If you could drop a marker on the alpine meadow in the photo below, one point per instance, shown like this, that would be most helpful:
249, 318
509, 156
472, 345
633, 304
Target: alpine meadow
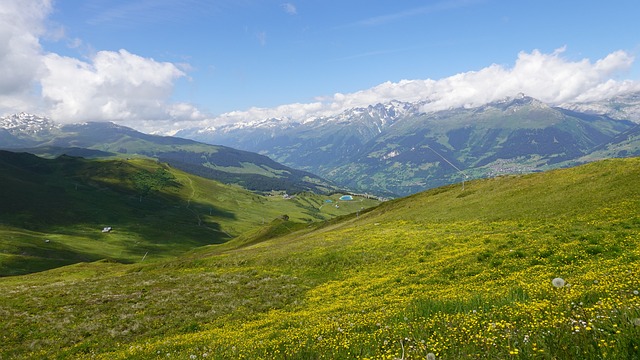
537, 266
319, 180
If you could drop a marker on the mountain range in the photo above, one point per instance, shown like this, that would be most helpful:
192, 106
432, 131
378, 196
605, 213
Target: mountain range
392, 149
119, 254
41, 136
398, 148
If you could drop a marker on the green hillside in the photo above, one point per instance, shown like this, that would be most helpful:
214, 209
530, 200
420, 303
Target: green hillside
106, 140
541, 266
53, 212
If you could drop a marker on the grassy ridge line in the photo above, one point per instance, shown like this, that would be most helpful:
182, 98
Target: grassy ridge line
454, 273
53, 211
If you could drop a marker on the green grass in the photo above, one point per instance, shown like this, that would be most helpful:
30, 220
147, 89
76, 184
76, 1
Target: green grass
460, 274
53, 211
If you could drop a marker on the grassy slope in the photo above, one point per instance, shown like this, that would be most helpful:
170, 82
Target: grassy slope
456, 273
68, 201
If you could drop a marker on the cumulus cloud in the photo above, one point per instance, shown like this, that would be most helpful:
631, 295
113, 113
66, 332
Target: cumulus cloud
134, 90
548, 77
110, 86
21, 25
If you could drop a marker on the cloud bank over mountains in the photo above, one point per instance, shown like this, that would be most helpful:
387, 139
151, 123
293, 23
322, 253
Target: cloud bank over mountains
137, 91
547, 77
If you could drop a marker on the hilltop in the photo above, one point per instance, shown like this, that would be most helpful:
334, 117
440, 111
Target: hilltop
523, 266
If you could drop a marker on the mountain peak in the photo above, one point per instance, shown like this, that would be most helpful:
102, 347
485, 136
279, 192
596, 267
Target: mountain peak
26, 123
519, 100
621, 107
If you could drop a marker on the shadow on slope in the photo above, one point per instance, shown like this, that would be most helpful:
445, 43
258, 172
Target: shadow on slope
146, 208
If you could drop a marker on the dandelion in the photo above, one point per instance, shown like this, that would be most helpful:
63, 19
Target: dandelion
635, 292
431, 356
558, 282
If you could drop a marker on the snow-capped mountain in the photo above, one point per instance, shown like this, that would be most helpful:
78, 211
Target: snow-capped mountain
41, 136
399, 148
317, 144
25, 130
622, 107
364, 121
24, 123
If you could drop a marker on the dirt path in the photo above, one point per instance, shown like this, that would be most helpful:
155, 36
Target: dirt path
193, 191
193, 195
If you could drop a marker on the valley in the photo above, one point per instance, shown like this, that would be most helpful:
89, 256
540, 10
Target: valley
319, 180
399, 148
516, 237
450, 272
54, 210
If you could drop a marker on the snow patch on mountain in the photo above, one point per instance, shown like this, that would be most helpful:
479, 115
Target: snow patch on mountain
621, 107
27, 124
383, 114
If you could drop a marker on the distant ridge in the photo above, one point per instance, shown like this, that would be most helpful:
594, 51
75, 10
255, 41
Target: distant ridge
397, 148
39, 135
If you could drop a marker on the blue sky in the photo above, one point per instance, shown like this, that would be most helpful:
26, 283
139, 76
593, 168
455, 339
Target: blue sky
159, 62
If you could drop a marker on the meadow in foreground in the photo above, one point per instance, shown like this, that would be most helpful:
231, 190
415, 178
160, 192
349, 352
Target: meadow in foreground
542, 266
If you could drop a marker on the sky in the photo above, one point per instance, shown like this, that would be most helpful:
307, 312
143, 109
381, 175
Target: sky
160, 65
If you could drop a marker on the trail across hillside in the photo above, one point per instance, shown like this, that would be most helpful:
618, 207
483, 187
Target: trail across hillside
194, 212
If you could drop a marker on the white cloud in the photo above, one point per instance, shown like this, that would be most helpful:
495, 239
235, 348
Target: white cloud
289, 8
21, 25
547, 77
112, 86
134, 90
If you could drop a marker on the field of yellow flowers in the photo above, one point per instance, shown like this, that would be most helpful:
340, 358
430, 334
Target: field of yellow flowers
542, 266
